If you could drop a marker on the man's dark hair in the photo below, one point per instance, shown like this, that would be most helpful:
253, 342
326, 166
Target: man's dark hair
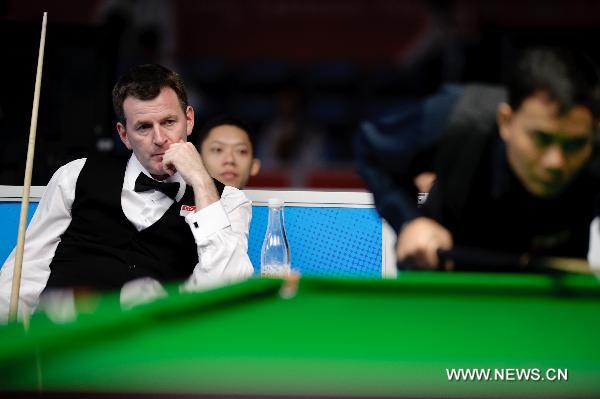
224, 120
144, 82
567, 77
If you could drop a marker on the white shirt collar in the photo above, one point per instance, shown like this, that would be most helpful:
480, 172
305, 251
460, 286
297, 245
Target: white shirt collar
134, 168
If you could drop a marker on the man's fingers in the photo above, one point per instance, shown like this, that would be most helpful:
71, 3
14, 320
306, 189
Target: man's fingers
167, 164
400, 253
420, 241
169, 169
430, 255
416, 257
449, 265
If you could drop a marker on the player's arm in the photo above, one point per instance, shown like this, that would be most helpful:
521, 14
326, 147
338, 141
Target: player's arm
51, 219
220, 225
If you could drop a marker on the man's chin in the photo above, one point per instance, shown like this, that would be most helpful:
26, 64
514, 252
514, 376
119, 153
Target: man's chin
157, 172
547, 190
228, 180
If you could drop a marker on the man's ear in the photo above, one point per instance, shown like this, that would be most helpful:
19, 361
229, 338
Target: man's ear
503, 117
123, 135
189, 119
255, 167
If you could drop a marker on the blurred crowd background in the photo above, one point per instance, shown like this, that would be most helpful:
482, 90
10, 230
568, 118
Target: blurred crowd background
304, 73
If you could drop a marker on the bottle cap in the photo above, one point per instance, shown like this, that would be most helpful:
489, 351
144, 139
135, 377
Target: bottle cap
275, 202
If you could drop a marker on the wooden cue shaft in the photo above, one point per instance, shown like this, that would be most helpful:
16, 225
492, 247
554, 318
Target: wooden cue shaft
571, 265
492, 259
16, 282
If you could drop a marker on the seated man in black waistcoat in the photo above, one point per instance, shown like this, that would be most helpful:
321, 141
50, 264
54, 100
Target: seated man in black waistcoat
513, 176
157, 217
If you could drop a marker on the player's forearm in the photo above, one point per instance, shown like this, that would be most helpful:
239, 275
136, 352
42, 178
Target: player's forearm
222, 260
205, 192
221, 234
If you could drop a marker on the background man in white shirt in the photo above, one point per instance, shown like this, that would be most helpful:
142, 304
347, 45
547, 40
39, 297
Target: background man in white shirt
105, 224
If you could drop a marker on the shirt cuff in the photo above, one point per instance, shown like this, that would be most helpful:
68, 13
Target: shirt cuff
207, 221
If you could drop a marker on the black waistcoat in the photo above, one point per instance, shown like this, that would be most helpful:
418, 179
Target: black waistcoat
101, 248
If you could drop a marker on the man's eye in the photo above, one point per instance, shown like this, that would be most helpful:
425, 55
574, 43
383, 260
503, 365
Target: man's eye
170, 122
543, 139
143, 127
574, 145
216, 150
243, 152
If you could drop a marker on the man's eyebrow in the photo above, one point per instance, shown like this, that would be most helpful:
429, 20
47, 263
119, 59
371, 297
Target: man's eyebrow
559, 138
237, 144
140, 123
144, 122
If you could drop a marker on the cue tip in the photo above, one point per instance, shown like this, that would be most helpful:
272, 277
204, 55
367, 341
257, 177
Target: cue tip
289, 288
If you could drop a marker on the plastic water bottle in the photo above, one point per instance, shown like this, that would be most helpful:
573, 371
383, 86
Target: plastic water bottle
275, 258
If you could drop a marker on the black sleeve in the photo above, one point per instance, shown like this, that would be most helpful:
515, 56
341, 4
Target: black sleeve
392, 150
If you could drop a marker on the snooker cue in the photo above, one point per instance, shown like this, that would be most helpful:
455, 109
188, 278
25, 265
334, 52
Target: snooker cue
497, 260
16, 282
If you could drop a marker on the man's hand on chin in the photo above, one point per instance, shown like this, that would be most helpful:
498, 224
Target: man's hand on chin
183, 157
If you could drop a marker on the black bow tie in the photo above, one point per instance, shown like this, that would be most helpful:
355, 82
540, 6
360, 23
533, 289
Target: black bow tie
144, 183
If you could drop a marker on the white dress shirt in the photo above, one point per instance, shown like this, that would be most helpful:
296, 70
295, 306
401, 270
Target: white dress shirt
593, 257
220, 231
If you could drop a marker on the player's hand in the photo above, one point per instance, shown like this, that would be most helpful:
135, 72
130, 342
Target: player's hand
183, 157
419, 241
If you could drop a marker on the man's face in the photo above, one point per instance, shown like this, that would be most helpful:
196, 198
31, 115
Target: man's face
227, 155
545, 149
153, 125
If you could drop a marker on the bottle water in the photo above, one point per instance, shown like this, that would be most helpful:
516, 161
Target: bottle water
275, 258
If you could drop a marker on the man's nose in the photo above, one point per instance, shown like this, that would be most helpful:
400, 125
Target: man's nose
159, 137
229, 157
553, 158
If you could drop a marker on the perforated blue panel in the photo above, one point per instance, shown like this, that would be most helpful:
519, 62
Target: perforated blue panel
325, 241
9, 215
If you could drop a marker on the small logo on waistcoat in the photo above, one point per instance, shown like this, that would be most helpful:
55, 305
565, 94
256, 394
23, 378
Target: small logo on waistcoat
186, 210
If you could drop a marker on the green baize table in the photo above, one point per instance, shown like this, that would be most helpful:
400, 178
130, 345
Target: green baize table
334, 338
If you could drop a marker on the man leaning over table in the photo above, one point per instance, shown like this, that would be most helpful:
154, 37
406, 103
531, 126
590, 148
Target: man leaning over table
516, 171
